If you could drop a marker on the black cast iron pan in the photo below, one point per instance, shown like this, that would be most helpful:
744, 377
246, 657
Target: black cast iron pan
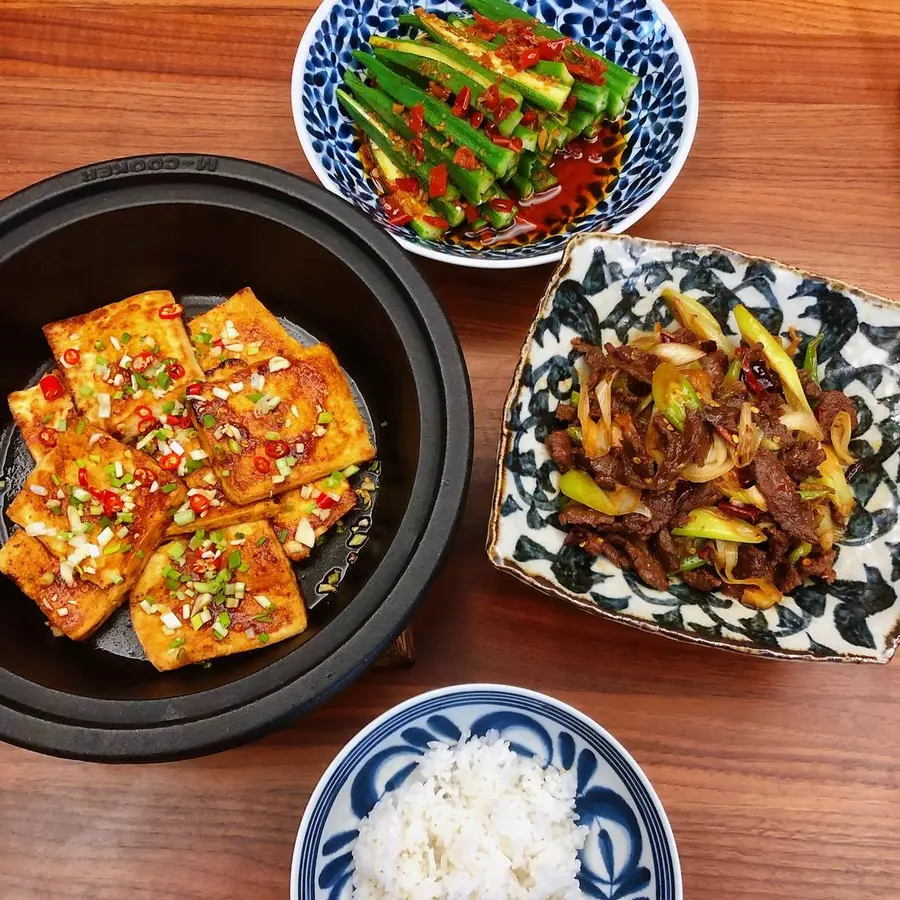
203, 227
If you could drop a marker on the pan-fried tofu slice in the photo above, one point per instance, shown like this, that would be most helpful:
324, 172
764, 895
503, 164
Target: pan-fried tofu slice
279, 424
97, 505
77, 609
171, 439
240, 328
306, 513
121, 357
218, 593
42, 412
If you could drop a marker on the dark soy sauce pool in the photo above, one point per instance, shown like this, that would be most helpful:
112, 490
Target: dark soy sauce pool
319, 576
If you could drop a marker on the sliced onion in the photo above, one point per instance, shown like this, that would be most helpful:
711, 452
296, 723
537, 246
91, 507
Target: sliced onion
751, 496
760, 594
832, 473
802, 420
718, 462
678, 354
597, 437
626, 500
651, 442
841, 430
701, 383
749, 437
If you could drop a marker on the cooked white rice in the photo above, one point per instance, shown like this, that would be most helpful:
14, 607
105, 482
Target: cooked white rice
475, 821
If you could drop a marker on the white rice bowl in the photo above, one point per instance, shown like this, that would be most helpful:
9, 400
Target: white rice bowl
474, 821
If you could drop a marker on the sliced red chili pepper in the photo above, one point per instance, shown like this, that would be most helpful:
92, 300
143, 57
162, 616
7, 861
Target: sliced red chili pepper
277, 449
96, 494
476, 118
491, 97
261, 464
472, 214
417, 149
178, 421
553, 49
171, 311
724, 433
399, 218
438, 90
502, 204
170, 462
51, 388
82, 477
199, 503
529, 57
47, 436
324, 501
407, 183
437, 181
416, 119
112, 503
751, 380
465, 158
145, 412
569, 103
146, 424
176, 371
665, 337
437, 221
486, 25
194, 389
747, 513
71, 356
463, 99
529, 117
142, 361
513, 143
143, 475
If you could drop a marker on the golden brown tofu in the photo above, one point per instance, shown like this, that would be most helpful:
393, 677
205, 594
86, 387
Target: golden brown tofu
76, 609
279, 424
219, 593
240, 328
42, 412
306, 513
124, 356
97, 505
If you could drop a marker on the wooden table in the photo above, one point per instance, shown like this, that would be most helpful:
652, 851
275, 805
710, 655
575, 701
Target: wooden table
780, 779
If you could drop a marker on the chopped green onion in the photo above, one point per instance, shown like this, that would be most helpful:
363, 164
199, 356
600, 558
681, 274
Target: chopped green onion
811, 358
282, 535
234, 446
79, 428
357, 540
204, 337
234, 559
263, 638
168, 406
55, 478
272, 436
184, 517
168, 488
244, 567
324, 418
350, 470
163, 380
209, 420
178, 642
86, 390
334, 480
197, 539
224, 619
126, 337
110, 548
176, 550
255, 397
99, 345
260, 542
574, 398
61, 425
575, 433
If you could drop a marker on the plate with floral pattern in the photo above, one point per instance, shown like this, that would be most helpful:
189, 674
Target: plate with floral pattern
608, 287
641, 35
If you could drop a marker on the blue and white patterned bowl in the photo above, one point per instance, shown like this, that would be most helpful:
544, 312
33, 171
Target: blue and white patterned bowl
630, 852
608, 287
641, 35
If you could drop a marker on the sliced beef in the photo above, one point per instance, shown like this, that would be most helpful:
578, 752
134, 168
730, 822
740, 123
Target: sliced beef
598, 546
787, 578
681, 336
559, 445
606, 470
633, 445
703, 579
637, 363
665, 550
780, 491
810, 386
819, 566
726, 415
662, 505
753, 563
698, 495
830, 404
682, 448
645, 563
778, 545
567, 413
715, 365
733, 590
578, 514
801, 459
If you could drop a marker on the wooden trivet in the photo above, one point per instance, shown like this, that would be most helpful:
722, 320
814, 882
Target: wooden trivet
402, 651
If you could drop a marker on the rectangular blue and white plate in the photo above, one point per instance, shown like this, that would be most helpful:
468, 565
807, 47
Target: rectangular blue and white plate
607, 287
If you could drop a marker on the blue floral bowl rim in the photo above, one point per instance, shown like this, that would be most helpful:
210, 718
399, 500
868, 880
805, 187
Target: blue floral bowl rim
462, 690
555, 590
692, 102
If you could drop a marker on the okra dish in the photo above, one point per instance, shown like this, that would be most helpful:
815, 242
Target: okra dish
182, 467
683, 454
489, 129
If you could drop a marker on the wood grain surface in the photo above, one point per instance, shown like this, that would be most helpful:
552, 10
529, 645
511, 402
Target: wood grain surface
780, 779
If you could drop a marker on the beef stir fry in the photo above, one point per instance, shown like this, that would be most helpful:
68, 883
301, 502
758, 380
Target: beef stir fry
683, 455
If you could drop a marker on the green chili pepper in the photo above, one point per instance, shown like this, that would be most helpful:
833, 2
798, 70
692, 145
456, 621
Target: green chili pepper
799, 552
575, 433
715, 526
579, 486
811, 359
673, 394
689, 563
